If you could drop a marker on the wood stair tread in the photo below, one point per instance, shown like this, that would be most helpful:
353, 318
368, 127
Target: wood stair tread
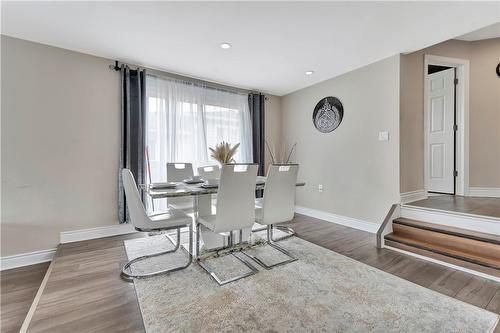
471, 234
444, 258
437, 248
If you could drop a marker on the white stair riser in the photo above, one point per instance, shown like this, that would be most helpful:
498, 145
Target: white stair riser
470, 222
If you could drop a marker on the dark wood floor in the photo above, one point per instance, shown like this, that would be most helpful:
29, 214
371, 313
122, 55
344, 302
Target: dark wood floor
85, 289
18, 289
469, 205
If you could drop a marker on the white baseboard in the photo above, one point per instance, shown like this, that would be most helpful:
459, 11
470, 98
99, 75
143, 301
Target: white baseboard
490, 225
26, 259
444, 263
339, 219
489, 192
413, 196
92, 233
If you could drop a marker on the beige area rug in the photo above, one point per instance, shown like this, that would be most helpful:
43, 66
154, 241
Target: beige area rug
321, 292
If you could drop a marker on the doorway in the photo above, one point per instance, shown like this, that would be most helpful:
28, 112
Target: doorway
446, 125
441, 129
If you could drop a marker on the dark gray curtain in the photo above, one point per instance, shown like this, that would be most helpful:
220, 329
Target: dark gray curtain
133, 132
256, 102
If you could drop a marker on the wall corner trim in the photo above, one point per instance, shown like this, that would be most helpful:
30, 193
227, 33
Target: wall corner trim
26, 259
93, 233
339, 219
413, 196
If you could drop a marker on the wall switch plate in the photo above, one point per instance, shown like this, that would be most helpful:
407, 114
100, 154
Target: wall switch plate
320, 188
383, 136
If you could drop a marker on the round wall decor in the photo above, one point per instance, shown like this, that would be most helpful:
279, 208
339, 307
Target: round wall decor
328, 114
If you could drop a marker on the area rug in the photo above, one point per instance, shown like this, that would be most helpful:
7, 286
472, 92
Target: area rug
321, 292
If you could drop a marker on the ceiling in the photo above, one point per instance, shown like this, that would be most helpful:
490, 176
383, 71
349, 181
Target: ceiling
273, 43
491, 31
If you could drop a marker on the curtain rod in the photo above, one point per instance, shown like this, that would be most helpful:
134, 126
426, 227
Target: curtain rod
188, 80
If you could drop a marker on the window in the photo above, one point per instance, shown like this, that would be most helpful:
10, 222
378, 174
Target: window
184, 120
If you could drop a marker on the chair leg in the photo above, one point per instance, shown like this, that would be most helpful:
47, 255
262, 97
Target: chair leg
285, 229
197, 239
214, 276
290, 232
271, 243
129, 276
217, 279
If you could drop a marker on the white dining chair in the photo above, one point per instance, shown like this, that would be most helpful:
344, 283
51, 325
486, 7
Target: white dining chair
177, 172
277, 205
235, 212
169, 220
209, 172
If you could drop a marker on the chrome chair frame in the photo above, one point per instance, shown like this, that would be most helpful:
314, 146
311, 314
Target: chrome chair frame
272, 243
129, 276
233, 250
283, 228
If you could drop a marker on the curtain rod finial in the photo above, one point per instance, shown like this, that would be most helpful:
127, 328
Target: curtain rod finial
115, 67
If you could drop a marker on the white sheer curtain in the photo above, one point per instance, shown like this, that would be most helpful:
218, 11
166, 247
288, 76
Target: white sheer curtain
185, 119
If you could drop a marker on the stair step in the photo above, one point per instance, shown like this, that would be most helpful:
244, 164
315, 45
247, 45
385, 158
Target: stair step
465, 233
470, 255
452, 242
447, 259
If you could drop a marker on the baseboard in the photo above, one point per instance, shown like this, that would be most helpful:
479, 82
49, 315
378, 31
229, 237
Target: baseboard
413, 196
444, 263
339, 219
93, 233
26, 259
489, 192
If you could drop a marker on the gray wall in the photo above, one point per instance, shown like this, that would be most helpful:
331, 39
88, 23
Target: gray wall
360, 174
59, 140
60, 121
484, 112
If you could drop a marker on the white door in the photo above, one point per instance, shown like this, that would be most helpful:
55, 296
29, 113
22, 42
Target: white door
440, 131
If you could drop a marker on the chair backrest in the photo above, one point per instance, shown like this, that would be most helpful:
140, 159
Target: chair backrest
236, 197
177, 172
209, 172
138, 215
278, 204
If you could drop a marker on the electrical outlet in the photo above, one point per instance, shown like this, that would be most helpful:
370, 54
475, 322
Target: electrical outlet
320, 188
383, 136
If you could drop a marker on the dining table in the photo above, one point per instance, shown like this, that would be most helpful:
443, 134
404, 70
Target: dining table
202, 204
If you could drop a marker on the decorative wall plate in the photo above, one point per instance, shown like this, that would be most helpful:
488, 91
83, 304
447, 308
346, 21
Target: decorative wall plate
328, 114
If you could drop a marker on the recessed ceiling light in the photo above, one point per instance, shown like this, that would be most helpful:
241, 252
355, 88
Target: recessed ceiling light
309, 72
225, 45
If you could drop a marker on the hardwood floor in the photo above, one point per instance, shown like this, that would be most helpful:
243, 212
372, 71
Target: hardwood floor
85, 290
18, 289
469, 205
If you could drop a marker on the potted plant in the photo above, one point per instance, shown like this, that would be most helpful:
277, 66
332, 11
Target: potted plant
224, 152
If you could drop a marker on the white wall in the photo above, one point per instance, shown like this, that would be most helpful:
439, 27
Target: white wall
360, 174
60, 121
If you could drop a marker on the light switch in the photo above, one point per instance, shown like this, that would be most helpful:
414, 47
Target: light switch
383, 136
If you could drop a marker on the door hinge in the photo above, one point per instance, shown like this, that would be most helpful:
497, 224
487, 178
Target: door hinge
455, 173
455, 127
455, 81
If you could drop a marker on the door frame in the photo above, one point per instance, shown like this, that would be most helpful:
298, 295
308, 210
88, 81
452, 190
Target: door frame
462, 120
